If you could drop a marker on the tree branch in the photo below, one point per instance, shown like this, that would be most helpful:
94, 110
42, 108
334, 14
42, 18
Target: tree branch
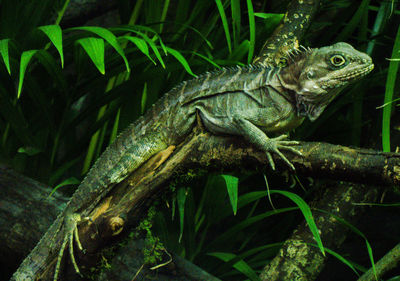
132, 197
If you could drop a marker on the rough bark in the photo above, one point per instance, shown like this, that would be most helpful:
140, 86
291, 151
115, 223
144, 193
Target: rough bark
26, 212
132, 197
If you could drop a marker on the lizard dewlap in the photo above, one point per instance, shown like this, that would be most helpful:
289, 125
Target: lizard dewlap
254, 102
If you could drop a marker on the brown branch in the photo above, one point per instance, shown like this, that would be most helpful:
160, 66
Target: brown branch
27, 212
210, 152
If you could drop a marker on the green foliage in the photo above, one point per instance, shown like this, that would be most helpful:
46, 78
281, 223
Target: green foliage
153, 248
390, 84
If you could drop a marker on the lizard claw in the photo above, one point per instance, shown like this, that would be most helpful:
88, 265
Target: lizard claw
71, 232
280, 142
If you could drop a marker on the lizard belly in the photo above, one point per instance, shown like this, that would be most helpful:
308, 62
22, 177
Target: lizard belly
292, 121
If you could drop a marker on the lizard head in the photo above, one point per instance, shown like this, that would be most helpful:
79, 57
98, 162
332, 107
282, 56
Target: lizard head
318, 75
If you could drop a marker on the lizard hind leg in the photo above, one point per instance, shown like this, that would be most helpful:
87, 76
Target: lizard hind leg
71, 232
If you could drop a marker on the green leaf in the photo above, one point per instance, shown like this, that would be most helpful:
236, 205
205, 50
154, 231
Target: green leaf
68, 181
243, 255
143, 99
12, 113
390, 84
94, 47
140, 44
234, 230
342, 259
240, 51
232, 188
149, 41
181, 59
4, 53
210, 61
52, 68
275, 17
181, 199
61, 170
155, 50
25, 59
353, 23
252, 30
109, 37
236, 19
29, 150
305, 209
224, 23
241, 265
55, 35
358, 232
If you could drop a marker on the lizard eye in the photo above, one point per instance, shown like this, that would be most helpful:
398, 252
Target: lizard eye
337, 60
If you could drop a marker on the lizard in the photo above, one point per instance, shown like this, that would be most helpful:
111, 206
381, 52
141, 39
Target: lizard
254, 102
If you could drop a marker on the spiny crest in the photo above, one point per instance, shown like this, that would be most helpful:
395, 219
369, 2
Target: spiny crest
296, 54
228, 70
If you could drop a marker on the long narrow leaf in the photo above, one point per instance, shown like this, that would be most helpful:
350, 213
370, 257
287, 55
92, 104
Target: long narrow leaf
241, 265
149, 41
4, 54
68, 181
353, 23
234, 230
390, 83
107, 36
181, 59
358, 232
232, 188
11, 112
224, 24
52, 68
181, 199
25, 59
140, 44
94, 47
55, 35
210, 61
305, 209
236, 19
252, 30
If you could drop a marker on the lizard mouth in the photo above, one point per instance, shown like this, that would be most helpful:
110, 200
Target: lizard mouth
312, 107
362, 71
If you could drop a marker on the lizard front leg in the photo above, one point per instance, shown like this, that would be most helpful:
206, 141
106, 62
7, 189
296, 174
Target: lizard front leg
256, 136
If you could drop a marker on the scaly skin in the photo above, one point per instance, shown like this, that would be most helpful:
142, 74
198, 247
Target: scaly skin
250, 101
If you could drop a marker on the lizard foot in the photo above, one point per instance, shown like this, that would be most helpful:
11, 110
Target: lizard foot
71, 232
275, 144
